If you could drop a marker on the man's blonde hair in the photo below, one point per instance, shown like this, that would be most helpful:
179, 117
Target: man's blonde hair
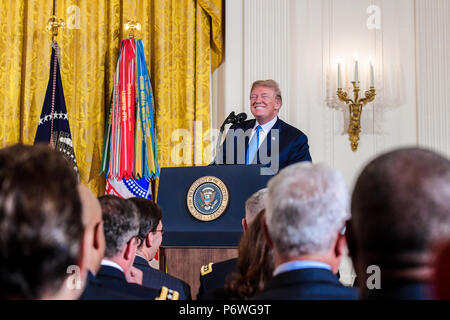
269, 84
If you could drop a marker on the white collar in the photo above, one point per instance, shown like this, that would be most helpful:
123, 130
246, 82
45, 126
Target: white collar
266, 127
300, 264
109, 263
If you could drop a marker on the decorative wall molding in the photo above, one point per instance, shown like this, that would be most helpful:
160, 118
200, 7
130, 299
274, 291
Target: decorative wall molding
267, 45
433, 73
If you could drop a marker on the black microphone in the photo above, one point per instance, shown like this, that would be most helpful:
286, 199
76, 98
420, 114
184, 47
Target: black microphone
241, 117
230, 119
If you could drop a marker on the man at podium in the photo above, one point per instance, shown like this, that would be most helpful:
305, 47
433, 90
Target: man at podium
265, 140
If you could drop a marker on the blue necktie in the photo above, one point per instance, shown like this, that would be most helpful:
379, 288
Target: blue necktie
253, 146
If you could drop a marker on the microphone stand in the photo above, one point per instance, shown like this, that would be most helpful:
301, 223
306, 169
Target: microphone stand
233, 119
230, 119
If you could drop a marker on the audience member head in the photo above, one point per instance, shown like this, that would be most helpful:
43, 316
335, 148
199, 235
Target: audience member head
306, 209
255, 262
121, 228
400, 210
150, 227
93, 244
253, 206
40, 224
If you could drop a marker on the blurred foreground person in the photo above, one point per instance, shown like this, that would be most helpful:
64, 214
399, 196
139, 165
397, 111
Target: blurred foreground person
41, 226
400, 212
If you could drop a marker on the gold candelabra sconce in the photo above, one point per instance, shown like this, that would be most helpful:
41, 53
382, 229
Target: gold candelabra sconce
356, 104
53, 26
133, 27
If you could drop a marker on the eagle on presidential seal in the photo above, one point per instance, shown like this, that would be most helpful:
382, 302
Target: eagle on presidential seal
208, 198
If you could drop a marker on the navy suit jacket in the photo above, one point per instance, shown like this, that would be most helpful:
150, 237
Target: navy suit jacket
153, 278
306, 284
400, 290
95, 290
113, 279
221, 271
292, 145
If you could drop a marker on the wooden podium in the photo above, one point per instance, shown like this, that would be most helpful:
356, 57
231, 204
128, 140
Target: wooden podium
188, 243
185, 262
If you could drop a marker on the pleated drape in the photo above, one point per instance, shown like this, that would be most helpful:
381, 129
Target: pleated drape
183, 45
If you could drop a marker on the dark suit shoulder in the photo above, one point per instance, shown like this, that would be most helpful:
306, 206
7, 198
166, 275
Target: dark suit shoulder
219, 268
154, 278
289, 129
306, 284
114, 279
214, 275
94, 290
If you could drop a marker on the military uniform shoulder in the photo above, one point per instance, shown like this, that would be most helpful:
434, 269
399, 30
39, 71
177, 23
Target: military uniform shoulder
168, 294
206, 269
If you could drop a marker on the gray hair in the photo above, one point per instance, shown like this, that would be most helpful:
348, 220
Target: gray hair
121, 223
255, 204
307, 206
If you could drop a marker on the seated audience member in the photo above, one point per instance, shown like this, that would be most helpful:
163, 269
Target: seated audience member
94, 247
121, 229
214, 275
254, 266
441, 279
306, 209
150, 234
41, 225
400, 211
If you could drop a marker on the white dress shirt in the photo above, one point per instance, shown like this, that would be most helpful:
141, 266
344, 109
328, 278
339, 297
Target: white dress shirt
110, 263
300, 264
265, 128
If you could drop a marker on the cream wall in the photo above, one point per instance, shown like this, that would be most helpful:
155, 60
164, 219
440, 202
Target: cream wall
298, 43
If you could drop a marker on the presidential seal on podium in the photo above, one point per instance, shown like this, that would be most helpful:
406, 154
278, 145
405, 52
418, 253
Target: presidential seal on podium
207, 198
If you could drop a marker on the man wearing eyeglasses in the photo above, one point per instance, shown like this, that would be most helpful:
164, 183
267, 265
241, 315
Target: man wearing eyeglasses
265, 140
150, 235
121, 228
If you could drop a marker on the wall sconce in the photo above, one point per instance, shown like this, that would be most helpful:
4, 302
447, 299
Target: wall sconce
356, 104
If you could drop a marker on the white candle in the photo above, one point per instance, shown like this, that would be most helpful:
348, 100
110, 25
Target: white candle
372, 76
339, 76
356, 72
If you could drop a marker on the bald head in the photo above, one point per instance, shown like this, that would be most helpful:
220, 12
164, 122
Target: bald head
94, 238
92, 211
401, 206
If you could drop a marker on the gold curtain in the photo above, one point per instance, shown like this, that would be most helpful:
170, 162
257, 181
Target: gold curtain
183, 45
